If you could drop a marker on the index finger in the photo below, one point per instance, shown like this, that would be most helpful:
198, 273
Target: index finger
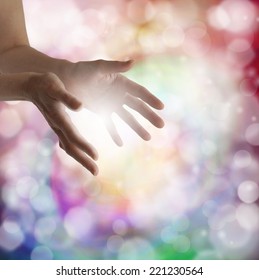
65, 124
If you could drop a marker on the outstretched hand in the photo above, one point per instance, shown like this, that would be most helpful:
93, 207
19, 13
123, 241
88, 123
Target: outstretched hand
103, 90
48, 93
99, 87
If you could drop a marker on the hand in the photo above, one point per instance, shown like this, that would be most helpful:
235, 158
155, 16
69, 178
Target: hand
103, 90
48, 93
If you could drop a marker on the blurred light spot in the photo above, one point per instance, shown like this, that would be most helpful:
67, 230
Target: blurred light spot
235, 16
139, 11
44, 228
218, 18
27, 220
92, 188
242, 159
248, 216
248, 191
46, 146
114, 243
120, 227
11, 226
239, 45
252, 134
173, 36
94, 22
209, 208
208, 255
220, 111
10, 123
168, 234
78, 222
188, 148
150, 41
11, 236
181, 223
247, 87
241, 59
251, 72
241, 15
10, 197
199, 238
59, 239
43, 201
197, 31
232, 235
194, 47
27, 187
208, 148
136, 248
41, 253
222, 216
181, 244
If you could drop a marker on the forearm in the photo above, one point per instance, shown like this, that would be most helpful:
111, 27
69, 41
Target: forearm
26, 59
13, 31
16, 55
13, 86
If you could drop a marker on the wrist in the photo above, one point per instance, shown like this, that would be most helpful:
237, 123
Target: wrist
14, 87
28, 81
64, 69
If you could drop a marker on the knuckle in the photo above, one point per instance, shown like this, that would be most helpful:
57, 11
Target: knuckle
48, 82
48, 79
49, 76
40, 85
110, 78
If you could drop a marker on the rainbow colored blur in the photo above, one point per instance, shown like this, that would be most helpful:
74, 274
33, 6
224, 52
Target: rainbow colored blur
189, 193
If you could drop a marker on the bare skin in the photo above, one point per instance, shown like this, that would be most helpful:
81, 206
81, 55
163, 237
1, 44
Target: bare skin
52, 84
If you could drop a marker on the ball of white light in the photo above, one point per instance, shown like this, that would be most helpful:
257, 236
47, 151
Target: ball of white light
248, 191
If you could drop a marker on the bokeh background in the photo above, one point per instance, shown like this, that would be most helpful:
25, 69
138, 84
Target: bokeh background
189, 193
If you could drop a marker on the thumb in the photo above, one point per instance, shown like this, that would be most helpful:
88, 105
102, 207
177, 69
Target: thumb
115, 66
69, 100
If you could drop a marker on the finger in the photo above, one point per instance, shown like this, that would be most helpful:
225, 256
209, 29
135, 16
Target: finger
141, 107
113, 132
132, 122
142, 93
72, 135
69, 100
76, 153
81, 157
115, 66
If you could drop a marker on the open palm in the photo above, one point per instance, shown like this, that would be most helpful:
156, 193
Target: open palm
103, 90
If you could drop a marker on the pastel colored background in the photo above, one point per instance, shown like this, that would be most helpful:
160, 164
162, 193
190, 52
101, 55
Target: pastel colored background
189, 193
